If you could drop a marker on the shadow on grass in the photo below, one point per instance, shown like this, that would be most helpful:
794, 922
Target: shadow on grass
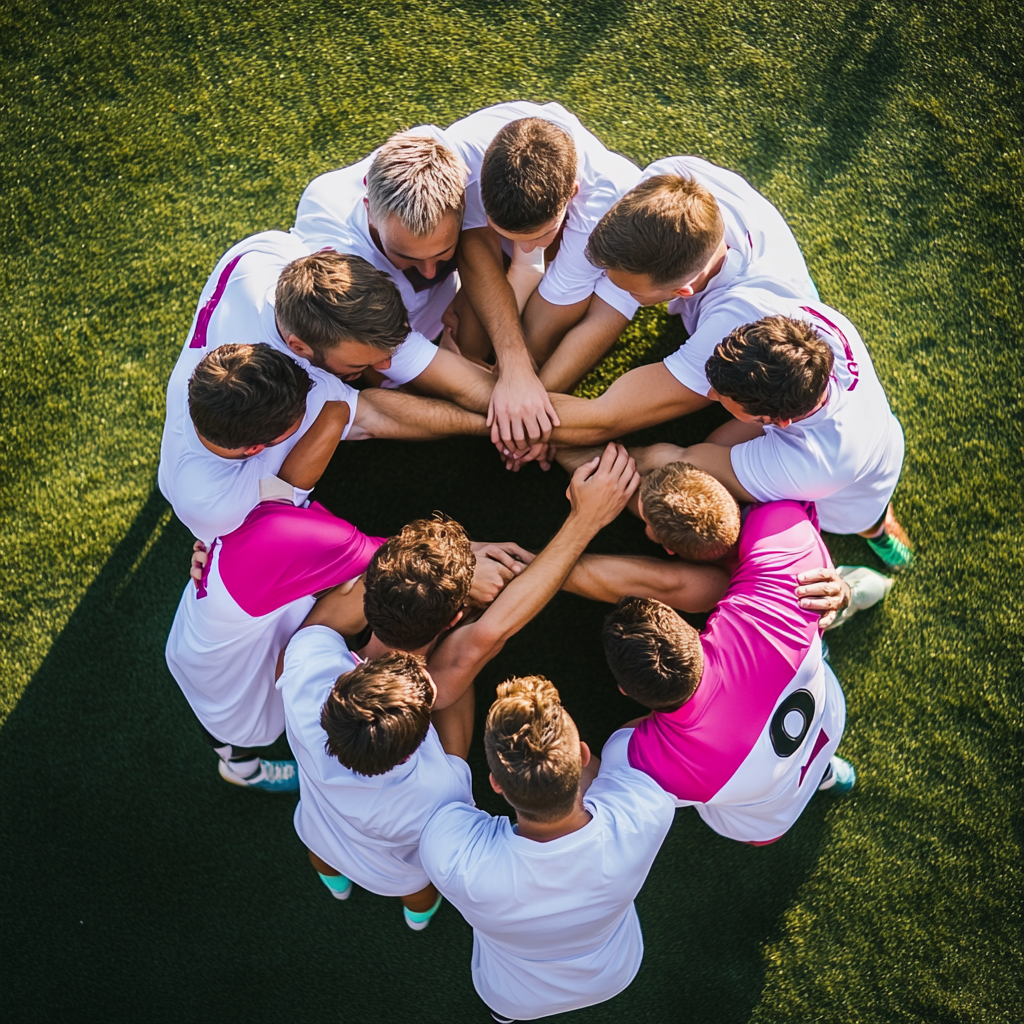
138, 886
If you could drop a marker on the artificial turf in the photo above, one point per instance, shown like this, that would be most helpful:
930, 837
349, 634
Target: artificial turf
141, 140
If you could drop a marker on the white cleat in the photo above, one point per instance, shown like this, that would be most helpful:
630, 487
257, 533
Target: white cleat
867, 588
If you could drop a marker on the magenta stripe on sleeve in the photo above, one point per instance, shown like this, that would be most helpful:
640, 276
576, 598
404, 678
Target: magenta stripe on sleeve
203, 320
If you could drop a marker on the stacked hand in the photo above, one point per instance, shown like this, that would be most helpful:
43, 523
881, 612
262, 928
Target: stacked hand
520, 413
601, 488
496, 565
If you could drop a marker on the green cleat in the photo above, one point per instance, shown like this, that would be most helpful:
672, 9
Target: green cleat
892, 545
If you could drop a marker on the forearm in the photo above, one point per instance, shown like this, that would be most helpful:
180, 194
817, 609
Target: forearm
455, 378
306, 462
682, 585
582, 347
392, 414
491, 296
717, 460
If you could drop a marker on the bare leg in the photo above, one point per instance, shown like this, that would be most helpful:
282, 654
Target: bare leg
734, 432
471, 337
321, 866
422, 901
454, 725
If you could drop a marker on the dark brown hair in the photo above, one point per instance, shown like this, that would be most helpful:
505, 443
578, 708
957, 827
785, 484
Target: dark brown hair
417, 582
775, 367
533, 748
244, 395
527, 175
668, 228
654, 655
378, 714
689, 511
327, 298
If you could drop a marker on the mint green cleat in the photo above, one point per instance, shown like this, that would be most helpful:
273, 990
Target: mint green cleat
892, 545
839, 776
417, 920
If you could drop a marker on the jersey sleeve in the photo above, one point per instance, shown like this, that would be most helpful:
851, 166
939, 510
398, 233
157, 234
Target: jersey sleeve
410, 359
571, 277
313, 651
615, 753
775, 467
213, 500
447, 842
686, 364
616, 297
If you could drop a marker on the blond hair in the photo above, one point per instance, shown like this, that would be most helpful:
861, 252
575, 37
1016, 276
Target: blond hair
533, 749
690, 512
417, 179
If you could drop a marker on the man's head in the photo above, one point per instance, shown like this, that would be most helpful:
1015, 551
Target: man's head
775, 370
418, 582
659, 238
415, 198
689, 512
340, 313
245, 398
533, 749
655, 656
378, 714
527, 179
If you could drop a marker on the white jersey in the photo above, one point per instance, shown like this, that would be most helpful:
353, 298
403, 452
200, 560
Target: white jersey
603, 176
554, 925
212, 495
332, 214
754, 230
366, 827
847, 456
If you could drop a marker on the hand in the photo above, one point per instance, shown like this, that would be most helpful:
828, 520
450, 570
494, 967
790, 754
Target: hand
601, 488
539, 452
823, 590
199, 560
496, 565
520, 412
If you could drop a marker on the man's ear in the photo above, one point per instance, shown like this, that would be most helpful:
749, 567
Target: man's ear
494, 785
299, 347
685, 292
458, 615
252, 450
623, 692
584, 754
575, 191
781, 424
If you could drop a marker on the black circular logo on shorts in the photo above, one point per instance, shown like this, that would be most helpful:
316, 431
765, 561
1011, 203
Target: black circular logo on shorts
791, 722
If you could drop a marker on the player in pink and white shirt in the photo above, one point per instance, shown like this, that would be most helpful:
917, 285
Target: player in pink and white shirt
747, 715
231, 625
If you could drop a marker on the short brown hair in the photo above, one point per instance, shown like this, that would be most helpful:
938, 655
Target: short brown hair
668, 228
417, 582
775, 367
527, 175
689, 511
244, 395
328, 297
378, 714
654, 655
417, 179
533, 748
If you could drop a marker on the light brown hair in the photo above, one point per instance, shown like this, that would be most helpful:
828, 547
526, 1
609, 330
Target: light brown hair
378, 714
668, 228
527, 175
533, 749
417, 582
775, 367
417, 179
655, 656
328, 297
690, 512
240, 396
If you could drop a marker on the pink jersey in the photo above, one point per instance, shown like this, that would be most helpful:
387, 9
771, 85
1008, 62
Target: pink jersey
751, 745
257, 589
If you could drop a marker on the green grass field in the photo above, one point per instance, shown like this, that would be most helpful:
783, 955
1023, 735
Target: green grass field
141, 140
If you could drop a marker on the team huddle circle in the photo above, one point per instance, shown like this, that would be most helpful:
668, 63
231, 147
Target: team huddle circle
462, 281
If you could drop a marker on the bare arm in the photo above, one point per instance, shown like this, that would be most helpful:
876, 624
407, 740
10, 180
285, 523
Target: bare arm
519, 406
683, 585
598, 494
717, 461
392, 414
582, 347
306, 462
340, 609
545, 324
452, 376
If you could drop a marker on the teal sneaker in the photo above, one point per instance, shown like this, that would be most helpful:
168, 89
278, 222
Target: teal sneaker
340, 887
417, 920
271, 777
839, 776
892, 545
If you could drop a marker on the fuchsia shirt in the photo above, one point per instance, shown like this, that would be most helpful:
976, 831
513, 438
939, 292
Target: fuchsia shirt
749, 748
